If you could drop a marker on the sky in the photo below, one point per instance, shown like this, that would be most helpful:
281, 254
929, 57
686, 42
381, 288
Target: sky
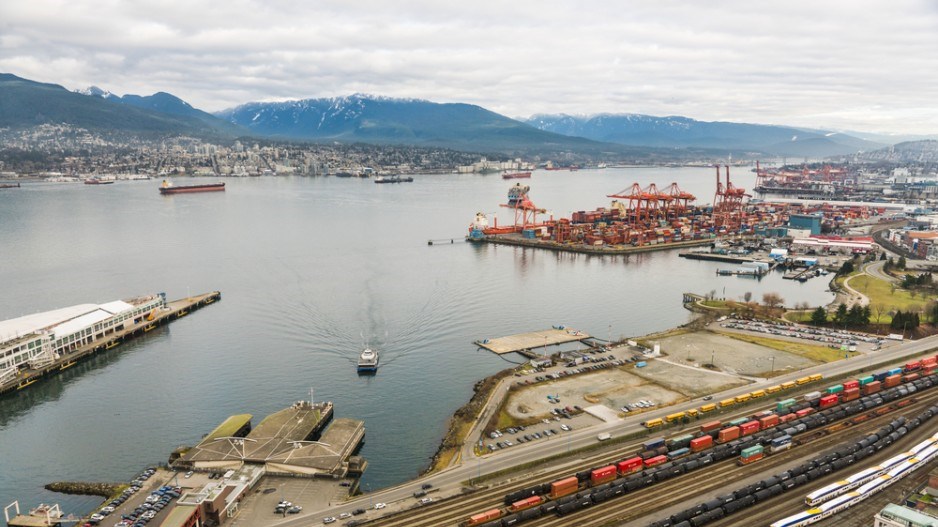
845, 65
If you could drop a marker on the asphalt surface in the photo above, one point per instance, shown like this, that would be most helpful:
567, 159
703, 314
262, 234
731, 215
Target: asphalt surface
450, 479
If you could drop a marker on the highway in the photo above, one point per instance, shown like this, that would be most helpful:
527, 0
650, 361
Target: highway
449, 480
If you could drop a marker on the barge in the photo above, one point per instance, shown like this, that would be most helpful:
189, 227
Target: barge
168, 188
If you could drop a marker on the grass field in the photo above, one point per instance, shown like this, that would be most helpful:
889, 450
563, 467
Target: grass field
881, 293
809, 351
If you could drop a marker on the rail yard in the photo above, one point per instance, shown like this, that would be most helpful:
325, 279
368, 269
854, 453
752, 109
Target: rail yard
609, 487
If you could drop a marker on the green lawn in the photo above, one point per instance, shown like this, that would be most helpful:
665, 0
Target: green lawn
882, 293
809, 351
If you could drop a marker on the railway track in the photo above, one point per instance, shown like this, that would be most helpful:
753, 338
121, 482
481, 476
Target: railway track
646, 502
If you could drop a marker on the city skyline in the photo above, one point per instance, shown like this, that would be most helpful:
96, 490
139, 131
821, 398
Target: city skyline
845, 66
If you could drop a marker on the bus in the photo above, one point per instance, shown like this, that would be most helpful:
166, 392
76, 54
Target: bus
654, 423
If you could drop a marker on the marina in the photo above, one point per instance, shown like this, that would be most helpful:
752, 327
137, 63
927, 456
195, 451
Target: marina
528, 343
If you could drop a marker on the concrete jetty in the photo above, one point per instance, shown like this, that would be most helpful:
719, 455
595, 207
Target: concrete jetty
527, 343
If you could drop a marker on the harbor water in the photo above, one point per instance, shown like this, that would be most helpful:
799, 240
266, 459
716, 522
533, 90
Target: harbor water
310, 270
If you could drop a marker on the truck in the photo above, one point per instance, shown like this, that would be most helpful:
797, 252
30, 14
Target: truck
603, 436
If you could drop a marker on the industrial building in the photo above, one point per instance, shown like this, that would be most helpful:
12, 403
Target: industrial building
893, 515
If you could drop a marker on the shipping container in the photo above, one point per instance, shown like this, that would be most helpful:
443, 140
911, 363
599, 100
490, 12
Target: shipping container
892, 380
712, 425
865, 380
895, 371
768, 421
780, 443
727, 402
782, 405
738, 421
751, 459
652, 444
746, 452
728, 434
482, 517
851, 384
701, 443
829, 400
679, 453
748, 428
850, 394
679, 441
787, 417
629, 465
603, 475
912, 366
708, 407
910, 377
657, 460
812, 396
526, 503
803, 412
871, 388
837, 388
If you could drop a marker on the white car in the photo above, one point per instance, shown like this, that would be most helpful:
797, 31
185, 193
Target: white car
565, 428
379, 505
424, 501
328, 519
345, 515
188, 475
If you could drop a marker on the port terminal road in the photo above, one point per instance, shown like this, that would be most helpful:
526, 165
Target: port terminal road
450, 480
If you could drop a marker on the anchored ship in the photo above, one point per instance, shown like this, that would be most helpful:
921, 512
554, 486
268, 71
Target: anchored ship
516, 175
168, 188
368, 361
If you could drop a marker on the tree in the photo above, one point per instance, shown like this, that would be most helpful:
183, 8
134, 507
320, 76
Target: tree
880, 309
846, 268
819, 316
772, 300
840, 316
933, 310
901, 263
882, 255
854, 315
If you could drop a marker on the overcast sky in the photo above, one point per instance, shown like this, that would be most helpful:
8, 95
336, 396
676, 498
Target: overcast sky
859, 65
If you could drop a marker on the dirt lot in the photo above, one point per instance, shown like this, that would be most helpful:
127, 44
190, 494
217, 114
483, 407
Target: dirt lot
729, 355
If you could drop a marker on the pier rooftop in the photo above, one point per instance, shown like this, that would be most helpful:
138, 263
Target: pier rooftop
525, 342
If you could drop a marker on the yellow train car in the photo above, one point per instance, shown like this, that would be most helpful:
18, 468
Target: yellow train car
674, 417
773, 389
743, 398
727, 402
708, 408
653, 423
758, 393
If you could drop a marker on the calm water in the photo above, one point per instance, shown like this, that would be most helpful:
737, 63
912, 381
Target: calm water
308, 269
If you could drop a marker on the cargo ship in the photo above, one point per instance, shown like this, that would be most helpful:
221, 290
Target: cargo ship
368, 361
393, 179
168, 188
97, 181
516, 175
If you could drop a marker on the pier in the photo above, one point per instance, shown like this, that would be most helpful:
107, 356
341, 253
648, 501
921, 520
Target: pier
599, 250
526, 343
173, 310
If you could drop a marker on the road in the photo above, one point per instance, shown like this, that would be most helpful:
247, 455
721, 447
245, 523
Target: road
450, 479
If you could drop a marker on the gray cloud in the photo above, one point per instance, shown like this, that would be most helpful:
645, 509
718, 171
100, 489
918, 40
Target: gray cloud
860, 65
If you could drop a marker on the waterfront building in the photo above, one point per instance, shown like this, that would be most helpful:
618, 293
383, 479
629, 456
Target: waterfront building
33, 341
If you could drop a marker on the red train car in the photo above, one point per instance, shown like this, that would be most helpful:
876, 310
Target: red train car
787, 417
768, 421
805, 411
910, 377
728, 434
482, 517
851, 384
828, 400
701, 443
929, 362
748, 428
563, 487
871, 387
710, 427
657, 460
632, 464
526, 503
603, 475
913, 366
892, 380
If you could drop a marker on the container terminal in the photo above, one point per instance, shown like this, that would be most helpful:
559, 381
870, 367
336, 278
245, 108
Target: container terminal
41, 344
648, 218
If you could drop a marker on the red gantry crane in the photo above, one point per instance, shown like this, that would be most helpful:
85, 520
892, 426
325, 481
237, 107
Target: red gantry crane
728, 203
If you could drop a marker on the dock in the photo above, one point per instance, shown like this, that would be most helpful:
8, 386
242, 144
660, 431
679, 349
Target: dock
599, 250
526, 343
713, 257
173, 310
800, 273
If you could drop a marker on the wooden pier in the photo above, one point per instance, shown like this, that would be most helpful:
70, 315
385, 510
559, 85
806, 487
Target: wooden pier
528, 343
174, 310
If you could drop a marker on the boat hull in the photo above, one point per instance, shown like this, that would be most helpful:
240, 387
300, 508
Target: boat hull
214, 187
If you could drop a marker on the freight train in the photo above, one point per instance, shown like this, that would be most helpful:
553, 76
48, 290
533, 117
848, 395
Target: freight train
660, 459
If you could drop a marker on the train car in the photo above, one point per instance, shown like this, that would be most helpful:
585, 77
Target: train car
737, 422
788, 385
657, 460
679, 453
870, 388
784, 405
787, 417
773, 389
892, 380
756, 394
728, 434
810, 397
828, 400
725, 403
850, 394
866, 380
911, 377
483, 517
768, 421
603, 475
894, 371
630, 465
780, 443
701, 443
654, 423
675, 417
837, 388
710, 426
748, 428
803, 412
742, 398
929, 362
567, 486
912, 366
652, 444
708, 408
851, 384
751, 455
526, 503
679, 441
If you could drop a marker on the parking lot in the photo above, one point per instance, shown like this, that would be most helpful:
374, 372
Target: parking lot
145, 502
260, 507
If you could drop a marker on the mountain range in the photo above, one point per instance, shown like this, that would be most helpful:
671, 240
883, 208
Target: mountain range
363, 118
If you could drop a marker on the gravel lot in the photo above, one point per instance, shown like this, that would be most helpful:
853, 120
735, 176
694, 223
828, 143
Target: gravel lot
729, 355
